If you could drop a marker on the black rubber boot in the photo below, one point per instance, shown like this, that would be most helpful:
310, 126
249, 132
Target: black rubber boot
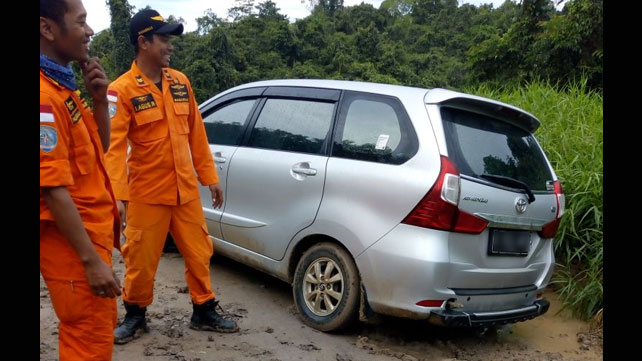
205, 318
133, 325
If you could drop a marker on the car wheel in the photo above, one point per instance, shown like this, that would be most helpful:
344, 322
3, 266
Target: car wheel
326, 287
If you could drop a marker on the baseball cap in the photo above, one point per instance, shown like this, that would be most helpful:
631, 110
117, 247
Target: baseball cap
150, 22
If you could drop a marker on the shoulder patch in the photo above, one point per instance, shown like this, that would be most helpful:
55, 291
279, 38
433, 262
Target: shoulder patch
139, 80
83, 101
143, 102
112, 98
48, 138
72, 107
46, 113
112, 109
179, 93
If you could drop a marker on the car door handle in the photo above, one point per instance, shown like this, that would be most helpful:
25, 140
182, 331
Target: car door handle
305, 171
218, 158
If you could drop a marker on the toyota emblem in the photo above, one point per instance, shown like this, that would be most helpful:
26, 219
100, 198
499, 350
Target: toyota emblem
520, 205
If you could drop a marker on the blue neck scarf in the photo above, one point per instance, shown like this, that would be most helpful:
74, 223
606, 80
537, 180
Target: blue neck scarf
62, 74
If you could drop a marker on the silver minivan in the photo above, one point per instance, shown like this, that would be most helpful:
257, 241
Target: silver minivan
380, 199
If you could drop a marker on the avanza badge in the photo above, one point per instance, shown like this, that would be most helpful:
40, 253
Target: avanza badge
143, 102
179, 93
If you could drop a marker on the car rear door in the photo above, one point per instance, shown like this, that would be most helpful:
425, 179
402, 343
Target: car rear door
499, 162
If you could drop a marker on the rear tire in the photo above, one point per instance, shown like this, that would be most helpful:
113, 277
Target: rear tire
326, 288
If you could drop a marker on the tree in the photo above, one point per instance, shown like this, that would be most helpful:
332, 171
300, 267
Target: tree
424, 43
570, 45
397, 7
123, 53
208, 22
267, 10
241, 9
329, 6
102, 45
510, 57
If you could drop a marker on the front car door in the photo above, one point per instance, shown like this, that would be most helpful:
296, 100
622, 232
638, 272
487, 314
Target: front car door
225, 123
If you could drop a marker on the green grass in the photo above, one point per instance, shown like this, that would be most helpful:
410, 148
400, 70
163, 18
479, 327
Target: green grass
571, 134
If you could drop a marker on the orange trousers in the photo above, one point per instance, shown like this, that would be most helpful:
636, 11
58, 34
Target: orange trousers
87, 322
146, 231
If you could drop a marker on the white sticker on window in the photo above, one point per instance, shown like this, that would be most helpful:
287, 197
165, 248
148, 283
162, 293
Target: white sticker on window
382, 142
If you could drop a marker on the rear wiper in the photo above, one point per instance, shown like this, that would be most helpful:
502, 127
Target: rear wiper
510, 182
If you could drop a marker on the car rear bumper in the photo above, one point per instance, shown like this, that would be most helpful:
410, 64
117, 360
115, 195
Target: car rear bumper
450, 318
412, 264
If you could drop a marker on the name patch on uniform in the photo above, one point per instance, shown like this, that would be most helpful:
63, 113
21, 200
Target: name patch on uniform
143, 102
70, 103
179, 93
48, 138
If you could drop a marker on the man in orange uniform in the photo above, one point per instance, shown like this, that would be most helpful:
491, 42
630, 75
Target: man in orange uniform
152, 107
78, 215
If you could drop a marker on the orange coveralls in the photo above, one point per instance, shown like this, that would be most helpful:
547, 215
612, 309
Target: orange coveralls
167, 143
71, 155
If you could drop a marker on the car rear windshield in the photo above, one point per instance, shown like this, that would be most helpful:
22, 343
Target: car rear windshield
479, 144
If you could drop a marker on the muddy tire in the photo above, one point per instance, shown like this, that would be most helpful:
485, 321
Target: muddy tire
326, 288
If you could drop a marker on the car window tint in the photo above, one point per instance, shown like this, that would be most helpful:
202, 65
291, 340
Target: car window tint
374, 129
225, 125
292, 125
479, 144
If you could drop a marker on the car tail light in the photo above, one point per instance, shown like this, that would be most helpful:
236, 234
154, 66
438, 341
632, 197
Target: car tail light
549, 230
430, 303
438, 209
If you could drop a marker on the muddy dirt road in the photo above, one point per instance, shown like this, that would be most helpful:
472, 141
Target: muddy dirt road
270, 329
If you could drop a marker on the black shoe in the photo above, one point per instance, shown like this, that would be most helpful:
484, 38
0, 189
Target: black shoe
133, 325
205, 318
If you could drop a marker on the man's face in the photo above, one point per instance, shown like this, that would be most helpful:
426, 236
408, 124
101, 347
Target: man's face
71, 41
160, 50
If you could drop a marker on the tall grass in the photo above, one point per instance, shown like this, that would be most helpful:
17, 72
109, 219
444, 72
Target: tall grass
571, 134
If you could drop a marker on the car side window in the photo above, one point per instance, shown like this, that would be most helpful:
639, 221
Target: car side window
293, 125
225, 125
374, 128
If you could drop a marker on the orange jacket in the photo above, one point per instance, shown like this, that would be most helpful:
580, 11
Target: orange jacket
71, 155
166, 137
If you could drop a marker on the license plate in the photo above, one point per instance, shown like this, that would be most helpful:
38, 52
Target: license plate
509, 243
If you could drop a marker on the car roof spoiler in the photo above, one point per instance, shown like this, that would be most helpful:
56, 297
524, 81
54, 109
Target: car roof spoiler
492, 108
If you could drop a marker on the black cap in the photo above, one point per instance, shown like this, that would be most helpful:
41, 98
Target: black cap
150, 22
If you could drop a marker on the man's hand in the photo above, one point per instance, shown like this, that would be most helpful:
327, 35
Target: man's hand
96, 80
217, 195
102, 279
